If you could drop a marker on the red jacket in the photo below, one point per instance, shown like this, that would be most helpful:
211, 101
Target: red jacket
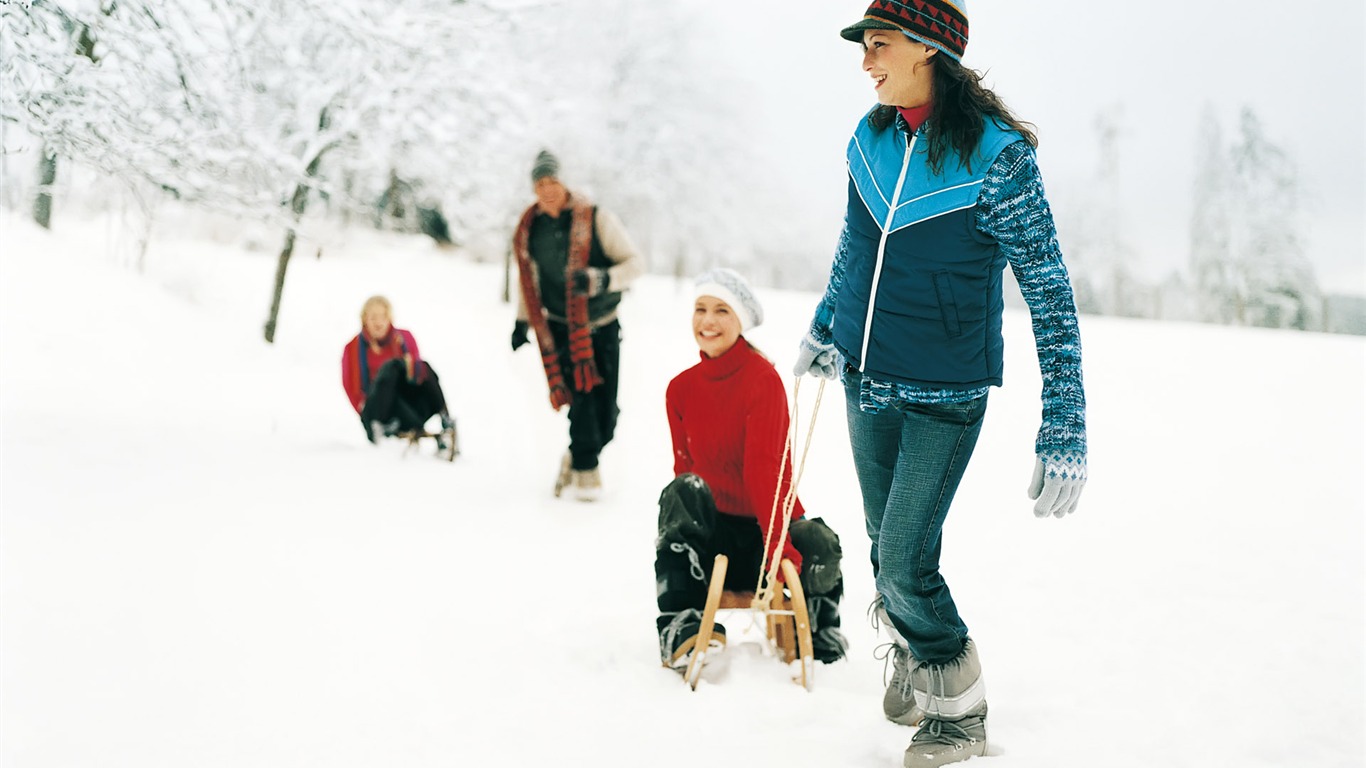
729, 420
357, 373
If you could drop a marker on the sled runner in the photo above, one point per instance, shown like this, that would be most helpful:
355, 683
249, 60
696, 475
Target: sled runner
566, 474
786, 622
447, 446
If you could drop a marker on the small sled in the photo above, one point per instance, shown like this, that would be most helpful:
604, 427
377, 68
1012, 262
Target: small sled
787, 625
447, 444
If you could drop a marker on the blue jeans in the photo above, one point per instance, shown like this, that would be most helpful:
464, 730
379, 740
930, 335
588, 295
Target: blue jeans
910, 458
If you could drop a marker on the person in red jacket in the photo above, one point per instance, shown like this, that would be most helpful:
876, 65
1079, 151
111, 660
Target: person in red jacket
389, 384
728, 417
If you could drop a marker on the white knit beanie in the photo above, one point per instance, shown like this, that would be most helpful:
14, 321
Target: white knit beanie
728, 286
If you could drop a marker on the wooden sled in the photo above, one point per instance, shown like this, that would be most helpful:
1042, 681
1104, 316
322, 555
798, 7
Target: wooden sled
788, 626
447, 444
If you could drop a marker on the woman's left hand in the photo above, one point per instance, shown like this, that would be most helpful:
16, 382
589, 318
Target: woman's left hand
1058, 479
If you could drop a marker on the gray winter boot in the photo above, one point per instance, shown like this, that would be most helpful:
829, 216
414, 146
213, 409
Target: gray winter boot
898, 703
587, 484
954, 699
940, 742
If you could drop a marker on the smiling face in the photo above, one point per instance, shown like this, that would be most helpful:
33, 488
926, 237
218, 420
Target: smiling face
715, 326
551, 194
376, 321
900, 67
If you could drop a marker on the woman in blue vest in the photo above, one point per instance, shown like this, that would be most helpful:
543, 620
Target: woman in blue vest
944, 193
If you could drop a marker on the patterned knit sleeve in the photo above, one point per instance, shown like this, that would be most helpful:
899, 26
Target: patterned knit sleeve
823, 322
1013, 210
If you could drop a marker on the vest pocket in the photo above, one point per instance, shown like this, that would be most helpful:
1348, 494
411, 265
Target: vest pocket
948, 308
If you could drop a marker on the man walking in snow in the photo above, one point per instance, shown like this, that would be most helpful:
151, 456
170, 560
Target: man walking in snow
574, 259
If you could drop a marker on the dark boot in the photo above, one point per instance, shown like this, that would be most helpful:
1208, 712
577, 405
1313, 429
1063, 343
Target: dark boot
687, 511
678, 637
687, 515
821, 554
824, 585
827, 642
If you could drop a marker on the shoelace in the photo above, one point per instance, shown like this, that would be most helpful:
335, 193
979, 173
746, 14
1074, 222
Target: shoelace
670, 633
934, 730
831, 636
942, 732
893, 655
875, 613
936, 690
694, 563
814, 603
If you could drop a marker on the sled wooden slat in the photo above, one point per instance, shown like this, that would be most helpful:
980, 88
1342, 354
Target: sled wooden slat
786, 621
802, 623
703, 642
414, 439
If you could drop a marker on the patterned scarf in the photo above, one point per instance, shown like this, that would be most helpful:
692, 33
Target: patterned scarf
576, 306
364, 343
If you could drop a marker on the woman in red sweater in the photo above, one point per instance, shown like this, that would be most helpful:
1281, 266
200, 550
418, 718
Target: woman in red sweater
728, 417
388, 383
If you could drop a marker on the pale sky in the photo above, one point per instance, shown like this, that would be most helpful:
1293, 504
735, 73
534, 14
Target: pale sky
1300, 66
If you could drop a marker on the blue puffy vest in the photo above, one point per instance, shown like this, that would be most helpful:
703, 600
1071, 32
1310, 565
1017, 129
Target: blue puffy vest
921, 300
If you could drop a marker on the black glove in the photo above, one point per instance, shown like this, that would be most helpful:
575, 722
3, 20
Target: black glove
519, 336
589, 281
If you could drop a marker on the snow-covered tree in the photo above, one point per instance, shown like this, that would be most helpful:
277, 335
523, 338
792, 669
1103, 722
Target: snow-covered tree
251, 106
1093, 231
650, 129
1211, 258
47, 49
1279, 286
1247, 251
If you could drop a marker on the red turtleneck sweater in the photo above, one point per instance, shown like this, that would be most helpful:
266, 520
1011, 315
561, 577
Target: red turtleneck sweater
915, 116
729, 419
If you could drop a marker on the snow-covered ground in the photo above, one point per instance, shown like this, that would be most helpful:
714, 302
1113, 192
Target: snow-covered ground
203, 562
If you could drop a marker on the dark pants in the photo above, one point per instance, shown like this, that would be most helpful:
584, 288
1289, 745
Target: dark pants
592, 415
692, 533
393, 396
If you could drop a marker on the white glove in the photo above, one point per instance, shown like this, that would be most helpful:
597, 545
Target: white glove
816, 359
1057, 482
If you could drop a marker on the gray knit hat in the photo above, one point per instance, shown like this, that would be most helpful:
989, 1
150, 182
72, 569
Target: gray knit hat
728, 286
546, 165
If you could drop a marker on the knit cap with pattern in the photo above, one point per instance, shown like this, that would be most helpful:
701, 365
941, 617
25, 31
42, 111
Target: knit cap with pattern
939, 23
546, 165
728, 286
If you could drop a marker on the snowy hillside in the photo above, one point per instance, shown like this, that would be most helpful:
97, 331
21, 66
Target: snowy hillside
203, 563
